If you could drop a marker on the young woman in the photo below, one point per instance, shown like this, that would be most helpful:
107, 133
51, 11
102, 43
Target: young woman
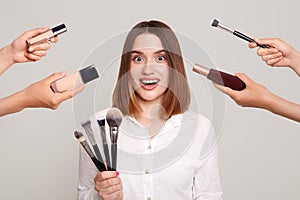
161, 143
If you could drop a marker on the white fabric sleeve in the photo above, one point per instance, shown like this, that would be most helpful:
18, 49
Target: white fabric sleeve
207, 183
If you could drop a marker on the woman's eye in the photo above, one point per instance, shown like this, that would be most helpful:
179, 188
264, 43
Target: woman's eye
160, 58
137, 59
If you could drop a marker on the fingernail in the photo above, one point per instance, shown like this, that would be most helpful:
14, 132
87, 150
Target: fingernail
117, 173
61, 73
30, 49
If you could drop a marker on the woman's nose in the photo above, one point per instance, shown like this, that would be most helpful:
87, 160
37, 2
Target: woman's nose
148, 67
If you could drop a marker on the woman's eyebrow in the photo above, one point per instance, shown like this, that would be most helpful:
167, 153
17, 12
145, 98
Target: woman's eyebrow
160, 51
140, 52
135, 51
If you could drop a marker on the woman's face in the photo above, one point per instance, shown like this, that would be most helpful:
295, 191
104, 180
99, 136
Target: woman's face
149, 68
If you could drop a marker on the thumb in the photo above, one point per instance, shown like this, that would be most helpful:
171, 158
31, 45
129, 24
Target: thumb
34, 32
68, 94
225, 90
252, 45
219, 87
265, 41
60, 97
55, 77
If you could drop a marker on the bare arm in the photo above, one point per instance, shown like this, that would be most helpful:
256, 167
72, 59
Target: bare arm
283, 107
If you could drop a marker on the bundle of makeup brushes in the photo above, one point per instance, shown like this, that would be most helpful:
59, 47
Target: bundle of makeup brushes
113, 119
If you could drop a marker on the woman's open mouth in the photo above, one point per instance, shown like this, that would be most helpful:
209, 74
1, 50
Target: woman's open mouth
149, 84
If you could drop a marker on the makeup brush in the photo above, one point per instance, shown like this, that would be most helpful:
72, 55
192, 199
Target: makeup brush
114, 119
220, 78
86, 124
101, 123
216, 23
100, 166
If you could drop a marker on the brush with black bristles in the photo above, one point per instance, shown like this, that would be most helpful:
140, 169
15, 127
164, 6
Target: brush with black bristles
216, 23
101, 123
114, 119
86, 124
100, 166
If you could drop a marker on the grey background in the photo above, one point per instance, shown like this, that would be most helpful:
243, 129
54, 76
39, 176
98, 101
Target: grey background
258, 151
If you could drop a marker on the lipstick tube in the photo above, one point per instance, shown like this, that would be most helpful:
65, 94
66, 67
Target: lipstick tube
220, 78
48, 34
75, 80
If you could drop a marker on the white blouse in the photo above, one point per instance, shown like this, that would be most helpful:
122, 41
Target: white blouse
180, 162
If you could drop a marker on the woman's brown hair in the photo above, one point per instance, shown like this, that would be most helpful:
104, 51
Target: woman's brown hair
177, 96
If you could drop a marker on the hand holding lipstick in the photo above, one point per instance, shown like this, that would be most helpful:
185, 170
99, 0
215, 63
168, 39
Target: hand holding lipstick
281, 55
19, 51
22, 52
254, 95
109, 185
258, 96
